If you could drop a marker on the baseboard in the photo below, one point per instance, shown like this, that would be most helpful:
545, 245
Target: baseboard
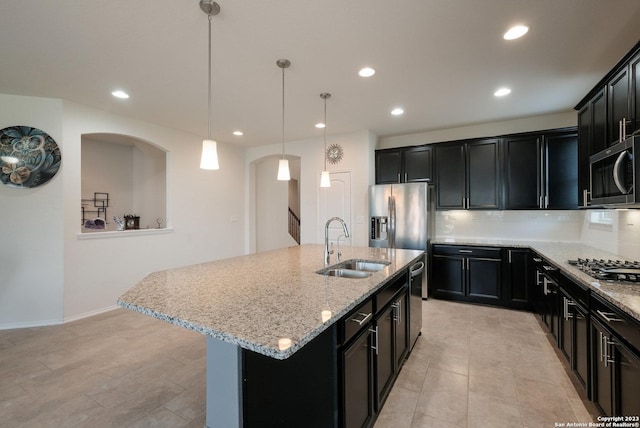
45, 323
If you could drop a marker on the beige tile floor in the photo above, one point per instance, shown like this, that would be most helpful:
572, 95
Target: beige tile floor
474, 366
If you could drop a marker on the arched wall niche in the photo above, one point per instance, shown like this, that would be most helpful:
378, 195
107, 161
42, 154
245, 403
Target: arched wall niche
122, 175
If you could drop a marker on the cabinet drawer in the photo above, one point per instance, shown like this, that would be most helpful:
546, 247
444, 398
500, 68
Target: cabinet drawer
356, 320
468, 251
617, 321
385, 295
574, 290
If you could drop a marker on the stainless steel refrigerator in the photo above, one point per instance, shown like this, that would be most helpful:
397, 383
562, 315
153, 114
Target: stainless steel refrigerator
401, 216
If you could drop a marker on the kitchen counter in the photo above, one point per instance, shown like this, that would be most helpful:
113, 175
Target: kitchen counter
626, 296
259, 301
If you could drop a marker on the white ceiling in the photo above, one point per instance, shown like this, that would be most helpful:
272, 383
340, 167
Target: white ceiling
439, 59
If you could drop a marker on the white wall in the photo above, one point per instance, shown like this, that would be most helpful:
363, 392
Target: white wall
31, 256
49, 275
490, 129
358, 150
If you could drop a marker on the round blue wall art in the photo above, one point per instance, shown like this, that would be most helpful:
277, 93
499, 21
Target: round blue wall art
29, 157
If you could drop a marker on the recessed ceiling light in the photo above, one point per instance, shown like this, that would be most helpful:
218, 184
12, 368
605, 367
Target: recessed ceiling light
366, 72
238, 133
516, 32
320, 125
397, 111
120, 94
502, 92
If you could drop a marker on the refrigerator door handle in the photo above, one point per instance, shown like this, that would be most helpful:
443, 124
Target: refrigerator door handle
392, 222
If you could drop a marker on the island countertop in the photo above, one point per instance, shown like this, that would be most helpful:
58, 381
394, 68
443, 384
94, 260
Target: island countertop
256, 301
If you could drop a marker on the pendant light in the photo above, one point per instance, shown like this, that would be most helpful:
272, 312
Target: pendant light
209, 158
283, 164
325, 179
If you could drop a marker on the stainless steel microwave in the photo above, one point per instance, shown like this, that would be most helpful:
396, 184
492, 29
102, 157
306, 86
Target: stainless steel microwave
613, 174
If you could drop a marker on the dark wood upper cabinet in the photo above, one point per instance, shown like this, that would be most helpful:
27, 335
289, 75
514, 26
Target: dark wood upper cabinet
483, 174
634, 91
388, 166
468, 175
618, 104
450, 176
404, 165
523, 172
561, 171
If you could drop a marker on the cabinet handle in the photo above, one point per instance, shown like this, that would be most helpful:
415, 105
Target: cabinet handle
546, 202
465, 251
608, 316
363, 320
601, 348
397, 312
375, 331
566, 302
585, 197
540, 202
549, 268
399, 178
406, 178
509, 256
537, 259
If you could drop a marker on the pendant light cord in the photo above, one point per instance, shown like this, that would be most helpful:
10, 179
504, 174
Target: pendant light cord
325, 134
209, 100
283, 113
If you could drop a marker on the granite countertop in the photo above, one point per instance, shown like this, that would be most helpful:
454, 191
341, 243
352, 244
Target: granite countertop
626, 296
257, 300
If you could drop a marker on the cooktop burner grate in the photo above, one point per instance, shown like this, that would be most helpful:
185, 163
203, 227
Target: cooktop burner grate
609, 270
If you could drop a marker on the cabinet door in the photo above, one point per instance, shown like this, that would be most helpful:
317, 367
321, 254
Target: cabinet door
580, 363
483, 175
388, 164
634, 93
565, 327
598, 123
385, 362
602, 379
519, 278
584, 151
627, 382
523, 172
618, 103
561, 173
357, 373
450, 176
447, 275
483, 276
417, 164
401, 340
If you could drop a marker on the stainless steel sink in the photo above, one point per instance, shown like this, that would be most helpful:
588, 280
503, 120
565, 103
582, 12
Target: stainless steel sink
354, 268
345, 273
364, 265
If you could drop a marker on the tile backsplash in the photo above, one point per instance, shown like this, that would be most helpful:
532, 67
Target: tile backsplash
616, 231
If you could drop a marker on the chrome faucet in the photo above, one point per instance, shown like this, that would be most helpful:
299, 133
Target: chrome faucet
327, 253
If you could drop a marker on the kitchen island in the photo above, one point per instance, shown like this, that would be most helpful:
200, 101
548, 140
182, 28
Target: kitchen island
265, 307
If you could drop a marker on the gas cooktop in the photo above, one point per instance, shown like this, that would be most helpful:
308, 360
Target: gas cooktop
609, 270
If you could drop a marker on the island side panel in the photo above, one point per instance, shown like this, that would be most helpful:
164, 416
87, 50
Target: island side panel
300, 391
224, 384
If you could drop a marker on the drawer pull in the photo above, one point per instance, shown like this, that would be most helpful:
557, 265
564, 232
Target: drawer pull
608, 316
465, 251
363, 320
537, 260
549, 268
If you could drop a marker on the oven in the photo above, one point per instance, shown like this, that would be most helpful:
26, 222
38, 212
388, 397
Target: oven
613, 174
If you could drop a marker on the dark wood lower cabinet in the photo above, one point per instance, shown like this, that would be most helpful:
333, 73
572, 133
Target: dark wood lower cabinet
616, 361
466, 273
357, 364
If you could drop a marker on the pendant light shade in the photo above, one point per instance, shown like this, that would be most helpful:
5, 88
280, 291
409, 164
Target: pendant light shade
283, 165
283, 170
209, 157
325, 179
